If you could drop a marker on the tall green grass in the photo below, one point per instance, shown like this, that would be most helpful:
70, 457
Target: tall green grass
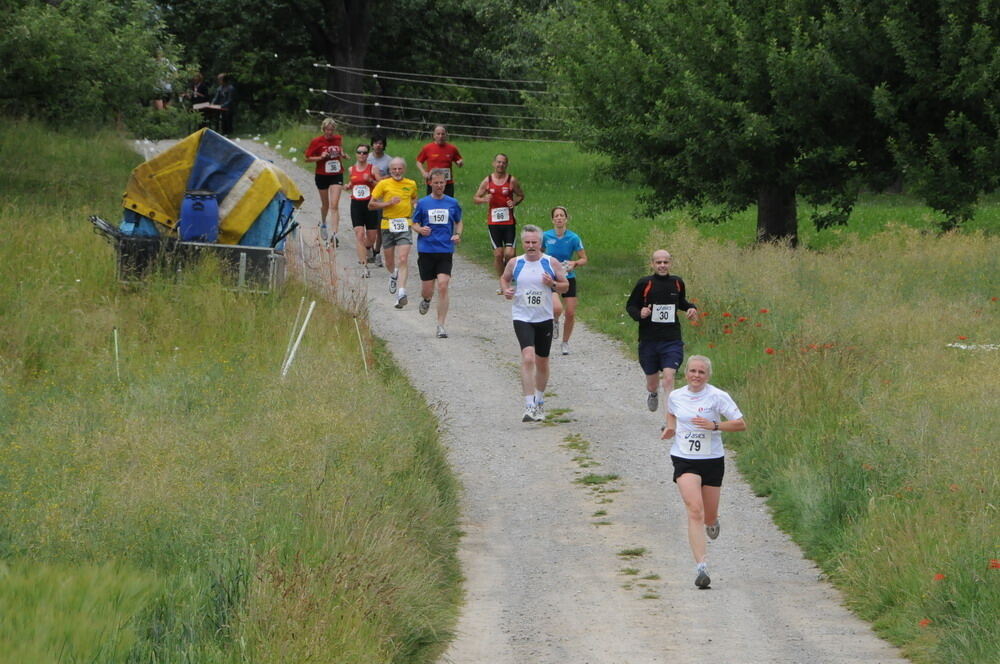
198, 508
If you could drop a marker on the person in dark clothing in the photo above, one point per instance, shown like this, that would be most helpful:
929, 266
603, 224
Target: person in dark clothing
654, 303
224, 103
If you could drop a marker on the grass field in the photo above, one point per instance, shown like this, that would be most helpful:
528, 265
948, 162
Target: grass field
198, 508
874, 439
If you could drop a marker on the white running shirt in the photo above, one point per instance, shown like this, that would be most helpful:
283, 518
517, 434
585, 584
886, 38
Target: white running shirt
532, 298
691, 442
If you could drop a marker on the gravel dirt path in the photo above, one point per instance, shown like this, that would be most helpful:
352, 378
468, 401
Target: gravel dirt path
544, 576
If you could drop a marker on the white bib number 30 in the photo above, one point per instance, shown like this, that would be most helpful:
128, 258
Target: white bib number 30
500, 215
664, 313
399, 225
533, 298
696, 443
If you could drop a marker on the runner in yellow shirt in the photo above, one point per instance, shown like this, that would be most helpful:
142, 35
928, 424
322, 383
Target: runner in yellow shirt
396, 196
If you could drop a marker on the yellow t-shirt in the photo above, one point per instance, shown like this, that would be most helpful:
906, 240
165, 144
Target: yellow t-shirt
406, 189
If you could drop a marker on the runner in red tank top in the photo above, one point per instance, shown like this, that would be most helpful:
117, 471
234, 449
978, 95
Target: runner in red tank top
501, 192
365, 222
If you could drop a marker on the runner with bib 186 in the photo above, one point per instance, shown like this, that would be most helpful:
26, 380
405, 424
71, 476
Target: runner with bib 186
529, 281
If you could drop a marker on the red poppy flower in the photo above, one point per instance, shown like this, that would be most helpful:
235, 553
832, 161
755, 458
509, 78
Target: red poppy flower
727, 331
726, 314
769, 351
763, 311
962, 337
758, 325
993, 299
695, 323
711, 345
994, 563
925, 622
741, 319
939, 577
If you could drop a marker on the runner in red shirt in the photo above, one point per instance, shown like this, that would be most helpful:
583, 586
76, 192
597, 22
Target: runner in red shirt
327, 153
363, 177
439, 153
501, 191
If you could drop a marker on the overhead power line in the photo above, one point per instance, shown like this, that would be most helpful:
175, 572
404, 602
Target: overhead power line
403, 73
435, 110
436, 101
423, 82
451, 124
381, 127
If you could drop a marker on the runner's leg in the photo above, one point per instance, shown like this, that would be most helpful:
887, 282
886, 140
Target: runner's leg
690, 487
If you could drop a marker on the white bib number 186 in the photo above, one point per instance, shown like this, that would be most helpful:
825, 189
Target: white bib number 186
533, 298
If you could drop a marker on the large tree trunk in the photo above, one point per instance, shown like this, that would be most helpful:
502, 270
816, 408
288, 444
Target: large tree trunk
777, 220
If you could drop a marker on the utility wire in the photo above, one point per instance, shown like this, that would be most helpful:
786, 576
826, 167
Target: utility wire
403, 73
425, 123
434, 110
436, 101
380, 127
450, 85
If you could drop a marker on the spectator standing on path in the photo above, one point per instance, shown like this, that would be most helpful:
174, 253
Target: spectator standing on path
439, 153
695, 415
562, 243
502, 192
529, 281
363, 177
380, 159
224, 101
654, 303
327, 152
437, 220
395, 196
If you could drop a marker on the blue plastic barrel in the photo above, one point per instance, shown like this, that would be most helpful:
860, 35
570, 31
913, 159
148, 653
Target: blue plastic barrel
199, 217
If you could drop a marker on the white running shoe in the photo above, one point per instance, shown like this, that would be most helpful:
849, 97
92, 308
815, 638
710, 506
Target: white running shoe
713, 530
401, 300
529, 414
539, 413
653, 401
442, 334
555, 327
565, 348
392, 283
702, 580
324, 234
378, 259
424, 307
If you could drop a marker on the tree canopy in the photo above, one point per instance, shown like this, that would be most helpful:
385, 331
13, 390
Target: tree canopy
733, 103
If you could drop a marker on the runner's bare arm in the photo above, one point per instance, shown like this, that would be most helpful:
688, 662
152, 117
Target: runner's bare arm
480, 196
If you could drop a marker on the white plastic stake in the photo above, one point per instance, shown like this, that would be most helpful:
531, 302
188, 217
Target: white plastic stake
361, 345
295, 348
117, 368
295, 326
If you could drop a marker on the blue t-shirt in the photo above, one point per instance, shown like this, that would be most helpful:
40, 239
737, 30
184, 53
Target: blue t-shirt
562, 248
441, 214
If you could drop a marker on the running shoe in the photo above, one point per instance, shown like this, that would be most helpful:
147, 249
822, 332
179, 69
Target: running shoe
499, 291
324, 234
378, 259
702, 580
371, 256
539, 413
441, 332
713, 530
529, 414
555, 327
653, 401
392, 283
565, 348
424, 307
336, 241
401, 301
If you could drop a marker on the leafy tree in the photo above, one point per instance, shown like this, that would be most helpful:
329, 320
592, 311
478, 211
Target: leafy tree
78, 60
734, 103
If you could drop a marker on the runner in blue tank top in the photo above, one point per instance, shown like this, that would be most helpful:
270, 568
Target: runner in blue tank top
529, 281
561, 243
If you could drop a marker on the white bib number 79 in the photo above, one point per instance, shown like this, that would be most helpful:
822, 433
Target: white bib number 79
696, 443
